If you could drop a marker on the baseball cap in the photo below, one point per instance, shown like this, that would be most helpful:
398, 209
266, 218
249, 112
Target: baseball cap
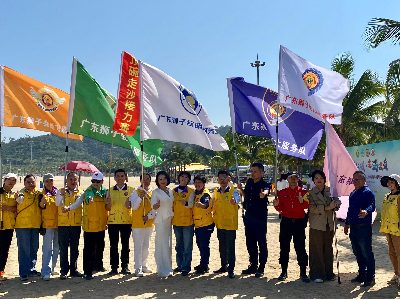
48, 176
10, 175
395, 177
97, 176
292, 174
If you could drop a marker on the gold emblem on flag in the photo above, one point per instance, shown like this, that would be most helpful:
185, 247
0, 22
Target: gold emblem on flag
47, 99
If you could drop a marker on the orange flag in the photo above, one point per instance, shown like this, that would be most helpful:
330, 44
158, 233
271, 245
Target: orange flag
28, 103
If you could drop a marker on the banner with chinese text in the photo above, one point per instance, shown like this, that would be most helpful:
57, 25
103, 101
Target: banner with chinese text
91, 114
128, 106
28, 103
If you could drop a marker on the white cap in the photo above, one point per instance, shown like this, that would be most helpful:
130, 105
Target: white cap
97, 176
10, 175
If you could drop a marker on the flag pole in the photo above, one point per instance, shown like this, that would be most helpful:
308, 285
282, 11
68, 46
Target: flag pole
336, 247
142, 172
237, 165
66, 160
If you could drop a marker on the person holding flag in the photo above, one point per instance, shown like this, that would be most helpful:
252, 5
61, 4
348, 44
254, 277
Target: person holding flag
95, 207
291, 204
142, 223
50, 247
119, 222
8, 210
183, 223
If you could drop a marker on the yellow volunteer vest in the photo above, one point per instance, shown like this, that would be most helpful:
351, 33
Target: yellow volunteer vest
390, 216
225, 213
183, 216
202, 217
137, 214
29, 214
8, 216
49, 214
73, 217
119, 214
94, 215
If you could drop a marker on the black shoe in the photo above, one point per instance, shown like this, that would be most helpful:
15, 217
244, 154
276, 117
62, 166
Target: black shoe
331, 277
125, 271
202, 270
88, 277
368, 283
304, 278
185, 273
359, 278
76, 274
113, 272
283, 276
251, 269
33, 273
101, 269
259, 274
197, 267
231, 275
63, 276
177, 270
221, 270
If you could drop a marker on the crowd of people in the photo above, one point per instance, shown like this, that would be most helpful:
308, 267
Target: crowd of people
124, 211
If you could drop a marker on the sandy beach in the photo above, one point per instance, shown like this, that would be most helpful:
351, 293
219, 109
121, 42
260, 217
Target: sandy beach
208, 285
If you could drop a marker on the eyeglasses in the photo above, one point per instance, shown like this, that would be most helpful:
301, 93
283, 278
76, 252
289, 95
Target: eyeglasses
96, 181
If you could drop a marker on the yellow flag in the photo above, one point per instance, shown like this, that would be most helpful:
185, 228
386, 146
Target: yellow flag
28, 103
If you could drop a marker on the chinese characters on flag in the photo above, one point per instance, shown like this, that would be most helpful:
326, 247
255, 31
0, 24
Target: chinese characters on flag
128, 107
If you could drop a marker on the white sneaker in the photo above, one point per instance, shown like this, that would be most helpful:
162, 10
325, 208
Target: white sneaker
146, 270
318, 280
55, 273
138, 273
46, 277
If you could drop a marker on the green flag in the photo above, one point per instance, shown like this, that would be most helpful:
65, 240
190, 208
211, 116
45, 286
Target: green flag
91, 114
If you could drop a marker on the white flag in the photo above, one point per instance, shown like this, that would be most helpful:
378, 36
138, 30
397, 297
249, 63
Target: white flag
308, 88
171, 112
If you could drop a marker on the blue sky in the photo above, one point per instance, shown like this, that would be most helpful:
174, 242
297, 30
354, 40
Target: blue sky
199, 43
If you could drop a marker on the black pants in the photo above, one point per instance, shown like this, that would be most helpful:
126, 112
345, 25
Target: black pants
293, 228
93, 251
68, 236
5, 242
226, 239
203, 235
256, 241
114, 231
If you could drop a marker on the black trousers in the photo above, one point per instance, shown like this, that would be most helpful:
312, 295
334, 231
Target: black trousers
256, 241
93, 251
293, 228
68, 236
226, 239
114, 231
5, 242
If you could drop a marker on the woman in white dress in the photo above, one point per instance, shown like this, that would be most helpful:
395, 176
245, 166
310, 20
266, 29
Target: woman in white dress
162, 200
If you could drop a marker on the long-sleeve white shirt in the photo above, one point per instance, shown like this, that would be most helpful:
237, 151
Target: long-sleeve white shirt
135, 201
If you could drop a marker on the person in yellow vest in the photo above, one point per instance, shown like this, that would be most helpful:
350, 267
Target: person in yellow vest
29, 218
203, 222
183, 223
225, 209
95, 207
69, 226
390, 219
8, 210
50, 247
119, 222
142, 224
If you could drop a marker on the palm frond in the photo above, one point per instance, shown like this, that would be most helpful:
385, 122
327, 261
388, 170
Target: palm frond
380, 30
344, 64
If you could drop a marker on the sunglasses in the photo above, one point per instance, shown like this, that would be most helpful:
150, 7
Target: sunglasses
96, 181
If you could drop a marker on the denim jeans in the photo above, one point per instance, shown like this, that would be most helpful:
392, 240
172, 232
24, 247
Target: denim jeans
361, 242
50, 249
184, 246
203, 235
28, 245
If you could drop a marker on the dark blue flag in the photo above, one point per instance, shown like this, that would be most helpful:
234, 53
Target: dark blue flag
254, 111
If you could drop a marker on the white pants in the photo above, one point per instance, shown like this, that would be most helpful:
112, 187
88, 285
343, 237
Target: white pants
163, 248
141, 239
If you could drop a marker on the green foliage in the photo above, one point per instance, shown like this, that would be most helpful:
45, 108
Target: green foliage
380, 30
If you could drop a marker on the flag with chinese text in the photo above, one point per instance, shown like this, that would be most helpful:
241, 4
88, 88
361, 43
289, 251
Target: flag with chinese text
255, 111
128, 106
311, 89
91, 114
171, 112
29, 103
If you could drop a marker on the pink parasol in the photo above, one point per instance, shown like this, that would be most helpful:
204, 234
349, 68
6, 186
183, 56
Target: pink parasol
80, 166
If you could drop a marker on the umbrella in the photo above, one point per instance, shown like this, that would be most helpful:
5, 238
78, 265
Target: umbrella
80, 166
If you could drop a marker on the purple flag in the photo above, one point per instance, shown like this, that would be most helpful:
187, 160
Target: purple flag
254, 111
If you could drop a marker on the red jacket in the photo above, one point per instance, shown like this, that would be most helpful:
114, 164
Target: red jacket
289, 205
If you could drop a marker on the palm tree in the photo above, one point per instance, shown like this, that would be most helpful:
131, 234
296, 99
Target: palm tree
362, 115
380, 30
